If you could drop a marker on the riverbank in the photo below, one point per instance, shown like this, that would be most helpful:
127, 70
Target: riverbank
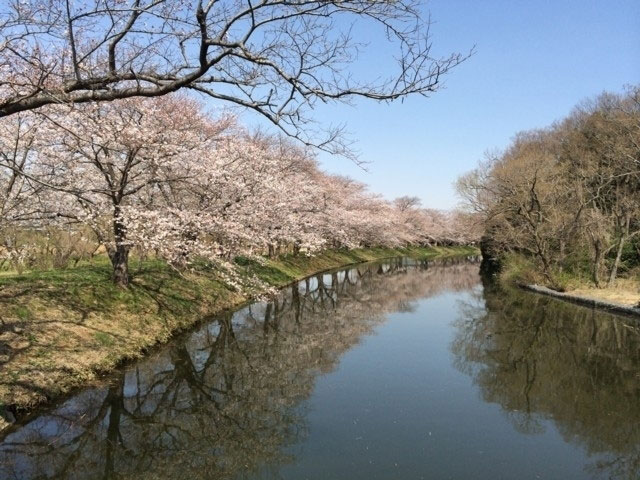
62, 329
622, 297
587, 300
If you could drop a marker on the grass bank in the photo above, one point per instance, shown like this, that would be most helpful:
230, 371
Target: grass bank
60, 329
519, 270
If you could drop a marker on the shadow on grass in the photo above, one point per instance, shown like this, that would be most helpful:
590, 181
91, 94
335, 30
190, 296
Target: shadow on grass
57, 328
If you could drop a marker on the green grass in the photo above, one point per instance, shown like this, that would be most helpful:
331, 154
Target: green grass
61, 329
288, 268
104, 339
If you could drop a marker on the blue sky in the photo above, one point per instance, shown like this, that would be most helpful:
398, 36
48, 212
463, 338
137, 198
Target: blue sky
533, 61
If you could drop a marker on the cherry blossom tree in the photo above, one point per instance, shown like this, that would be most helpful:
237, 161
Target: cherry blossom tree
245, 194
106, 158
23, 202
138, 175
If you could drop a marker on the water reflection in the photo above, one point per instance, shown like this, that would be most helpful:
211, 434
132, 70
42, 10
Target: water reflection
541, 359
226, 400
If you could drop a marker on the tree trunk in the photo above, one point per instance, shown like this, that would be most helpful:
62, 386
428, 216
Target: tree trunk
120, 263
597, 262
616, 262
546, 266
562, 255
119, 256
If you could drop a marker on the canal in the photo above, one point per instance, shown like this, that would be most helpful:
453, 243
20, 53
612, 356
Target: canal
390, 370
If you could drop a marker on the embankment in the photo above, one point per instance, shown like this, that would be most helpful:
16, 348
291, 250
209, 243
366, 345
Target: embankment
61, 329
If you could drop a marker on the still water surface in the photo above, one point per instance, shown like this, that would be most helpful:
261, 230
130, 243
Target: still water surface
393, 370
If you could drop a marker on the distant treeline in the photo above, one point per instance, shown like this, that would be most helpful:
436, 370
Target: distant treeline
567, 196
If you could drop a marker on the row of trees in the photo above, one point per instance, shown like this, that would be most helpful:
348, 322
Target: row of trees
567, 195
165, 177
152, 170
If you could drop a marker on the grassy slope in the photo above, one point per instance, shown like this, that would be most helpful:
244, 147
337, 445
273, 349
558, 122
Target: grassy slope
60, 328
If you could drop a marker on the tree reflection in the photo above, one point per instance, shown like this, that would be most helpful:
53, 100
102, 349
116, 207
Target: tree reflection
226, 400
543, 359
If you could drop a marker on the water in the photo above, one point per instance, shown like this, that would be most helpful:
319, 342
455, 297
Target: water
393, 370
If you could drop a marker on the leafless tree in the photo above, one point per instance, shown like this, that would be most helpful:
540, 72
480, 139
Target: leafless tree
567, 195
276, 57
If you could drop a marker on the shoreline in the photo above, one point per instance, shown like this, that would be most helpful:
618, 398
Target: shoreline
72, 337
614, 307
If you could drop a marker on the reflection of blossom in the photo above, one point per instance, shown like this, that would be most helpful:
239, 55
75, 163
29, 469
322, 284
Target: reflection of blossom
226, 399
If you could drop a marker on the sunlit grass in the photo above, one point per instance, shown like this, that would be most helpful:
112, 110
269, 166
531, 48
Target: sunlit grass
521, 270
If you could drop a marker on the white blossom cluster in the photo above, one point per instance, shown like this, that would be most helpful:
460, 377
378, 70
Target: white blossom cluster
163, 176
